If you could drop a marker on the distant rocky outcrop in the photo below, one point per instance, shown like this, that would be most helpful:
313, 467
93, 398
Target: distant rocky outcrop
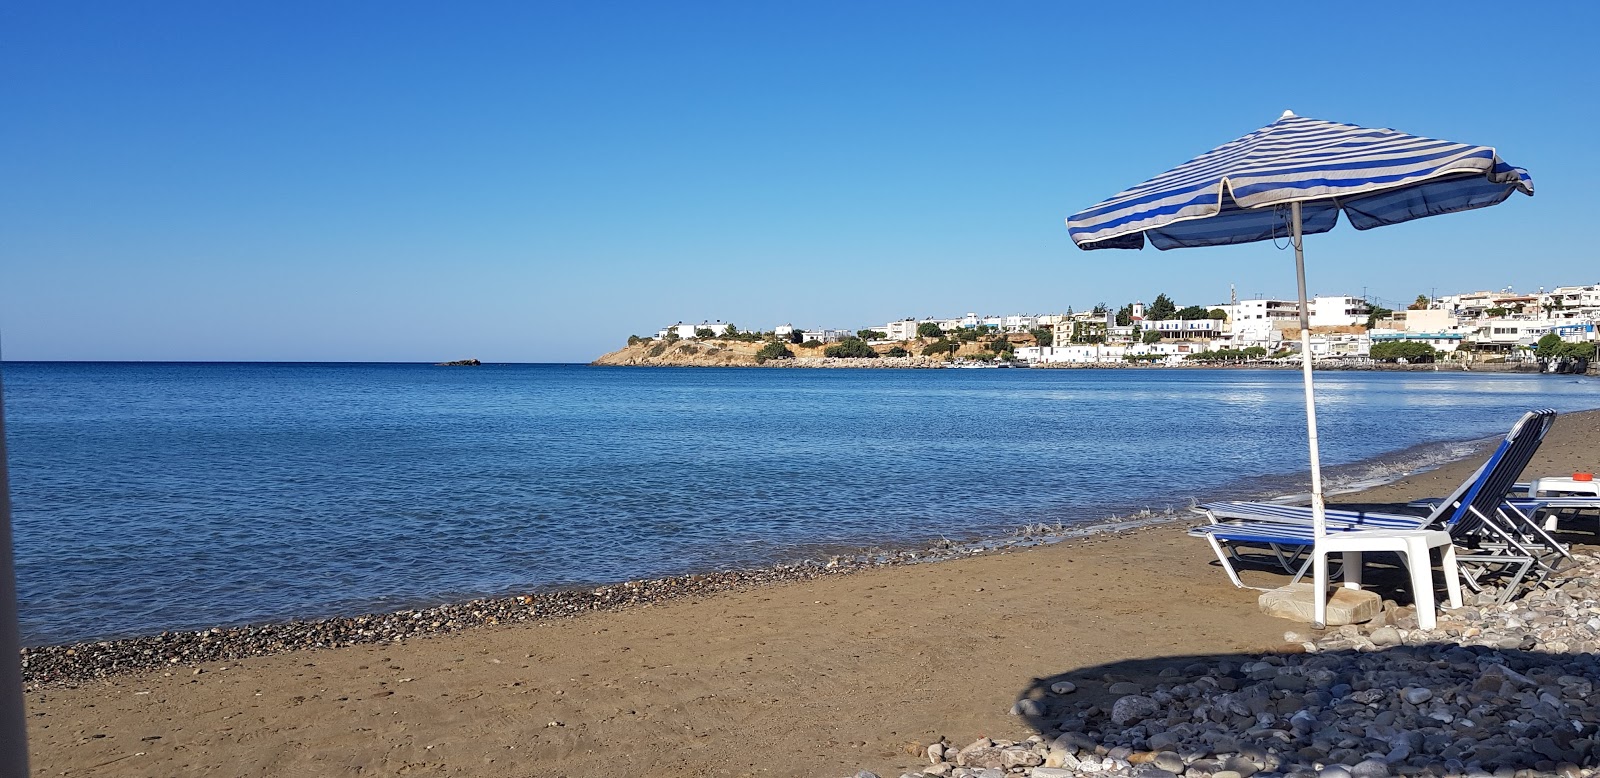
704, 352
460, 363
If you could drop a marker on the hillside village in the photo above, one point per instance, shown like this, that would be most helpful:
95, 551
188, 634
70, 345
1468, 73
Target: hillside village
1556, 327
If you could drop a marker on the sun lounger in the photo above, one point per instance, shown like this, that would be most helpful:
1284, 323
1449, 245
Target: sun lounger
1477, 516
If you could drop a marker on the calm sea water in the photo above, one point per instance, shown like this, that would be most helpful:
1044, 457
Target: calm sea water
181, 496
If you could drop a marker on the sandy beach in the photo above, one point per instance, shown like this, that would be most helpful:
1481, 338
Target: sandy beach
812, 678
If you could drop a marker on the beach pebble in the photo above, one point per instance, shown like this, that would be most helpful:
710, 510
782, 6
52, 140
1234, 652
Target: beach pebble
1132, 708
1027, 707
1063, 687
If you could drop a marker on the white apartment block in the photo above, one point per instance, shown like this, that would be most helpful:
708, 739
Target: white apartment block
1185, 329
905, 329
1338, 311
826, 335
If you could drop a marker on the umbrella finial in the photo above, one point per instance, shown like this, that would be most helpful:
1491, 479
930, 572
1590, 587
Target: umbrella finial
1287, 115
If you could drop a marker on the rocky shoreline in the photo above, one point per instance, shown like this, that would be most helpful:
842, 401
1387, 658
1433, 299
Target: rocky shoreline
89, 660
1506, 691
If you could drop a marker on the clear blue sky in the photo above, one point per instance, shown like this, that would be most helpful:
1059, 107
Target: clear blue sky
399, 181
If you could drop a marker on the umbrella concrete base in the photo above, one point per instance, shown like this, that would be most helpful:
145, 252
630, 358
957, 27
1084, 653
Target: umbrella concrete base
1345, 606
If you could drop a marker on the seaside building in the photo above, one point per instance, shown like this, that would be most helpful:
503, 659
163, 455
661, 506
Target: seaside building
1338, 311
1185, 329
687, 331
783, 331
1442, 341
826, 335
905, 329
1076, 354
1508, 335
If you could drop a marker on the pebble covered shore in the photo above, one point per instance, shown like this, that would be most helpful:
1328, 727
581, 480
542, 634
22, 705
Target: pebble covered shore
88, 660
1511, 691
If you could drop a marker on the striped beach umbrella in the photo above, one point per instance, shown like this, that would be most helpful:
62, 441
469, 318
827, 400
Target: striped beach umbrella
1291, 178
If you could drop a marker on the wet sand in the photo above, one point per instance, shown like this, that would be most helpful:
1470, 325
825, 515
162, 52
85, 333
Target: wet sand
813, 678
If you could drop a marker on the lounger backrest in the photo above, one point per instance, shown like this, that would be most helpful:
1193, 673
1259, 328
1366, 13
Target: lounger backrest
1495, 479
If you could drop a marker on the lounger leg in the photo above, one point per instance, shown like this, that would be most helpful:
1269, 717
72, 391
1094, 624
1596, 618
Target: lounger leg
1452, 578
1421, 582
1222, 556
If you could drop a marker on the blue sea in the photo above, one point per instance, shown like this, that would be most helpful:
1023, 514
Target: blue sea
151, 497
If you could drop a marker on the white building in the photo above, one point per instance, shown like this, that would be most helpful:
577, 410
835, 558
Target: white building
783, 331
1185, 329
1572, 302
1338, 311
905, 329
1577, 331
1277, 313
1509, 334
1017, 323
1442, 341
826, 336
1072, 354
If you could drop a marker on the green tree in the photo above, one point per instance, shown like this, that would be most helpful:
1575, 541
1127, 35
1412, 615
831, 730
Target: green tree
898, 352
1578, 350
1002, 347
732, 332
1421, 303
672, 335
1255, 352
1193, 312
1101, 309
704, 332
1043, 336
1548, 347
1410, 351
1375, 314
940, 346
776, 349
1162, 309
1150, 336
795, 336
851, 348
929, 329
871, 335
634, 340
813, 343
1217, 314
1125, 315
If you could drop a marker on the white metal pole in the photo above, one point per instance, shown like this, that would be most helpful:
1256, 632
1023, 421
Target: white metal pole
13, 722
1319, 518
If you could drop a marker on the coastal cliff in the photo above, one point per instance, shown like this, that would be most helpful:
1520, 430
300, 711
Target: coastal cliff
739, 353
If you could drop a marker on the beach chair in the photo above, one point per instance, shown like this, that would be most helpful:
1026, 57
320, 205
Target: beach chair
1476, 516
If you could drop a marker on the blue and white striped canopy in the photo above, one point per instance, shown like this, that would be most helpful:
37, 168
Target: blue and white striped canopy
1226, 195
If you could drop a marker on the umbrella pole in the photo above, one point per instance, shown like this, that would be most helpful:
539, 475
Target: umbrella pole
1319, 518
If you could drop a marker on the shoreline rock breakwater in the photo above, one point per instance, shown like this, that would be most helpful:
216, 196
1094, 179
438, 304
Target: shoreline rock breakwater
1507, 691
95, 659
